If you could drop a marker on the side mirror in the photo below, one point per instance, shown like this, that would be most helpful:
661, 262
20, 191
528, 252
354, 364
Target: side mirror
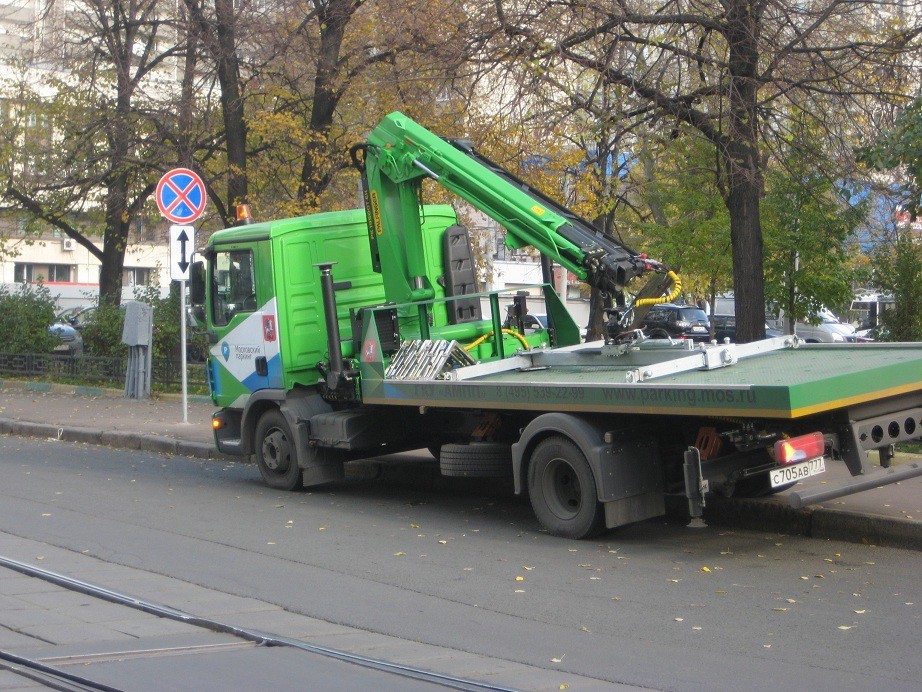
197, 283
198, 314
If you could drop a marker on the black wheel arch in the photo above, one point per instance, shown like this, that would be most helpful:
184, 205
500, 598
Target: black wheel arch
586, 433
298, 406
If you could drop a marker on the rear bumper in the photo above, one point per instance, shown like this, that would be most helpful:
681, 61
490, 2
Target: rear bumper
811, 496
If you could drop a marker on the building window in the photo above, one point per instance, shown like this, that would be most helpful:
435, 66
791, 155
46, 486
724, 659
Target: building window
22, 273
138, 276
61, 273
26, 273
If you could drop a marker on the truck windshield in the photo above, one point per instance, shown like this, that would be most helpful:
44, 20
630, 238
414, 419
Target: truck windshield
233, 290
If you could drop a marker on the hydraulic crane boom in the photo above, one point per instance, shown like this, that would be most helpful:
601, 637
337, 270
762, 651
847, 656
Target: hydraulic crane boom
400, 153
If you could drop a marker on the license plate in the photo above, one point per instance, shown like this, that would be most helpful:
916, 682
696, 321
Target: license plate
699, 330
796, 472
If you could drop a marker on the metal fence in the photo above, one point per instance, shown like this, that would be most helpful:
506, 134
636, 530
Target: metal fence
166, 374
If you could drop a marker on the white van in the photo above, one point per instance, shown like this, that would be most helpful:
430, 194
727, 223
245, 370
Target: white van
830, 330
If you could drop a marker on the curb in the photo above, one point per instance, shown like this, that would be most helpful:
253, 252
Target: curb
112, 438
771, 514
814, 522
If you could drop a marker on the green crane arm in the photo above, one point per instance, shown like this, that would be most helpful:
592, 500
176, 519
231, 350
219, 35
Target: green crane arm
400, 153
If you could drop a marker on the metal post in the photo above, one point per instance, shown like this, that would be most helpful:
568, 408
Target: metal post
182, 355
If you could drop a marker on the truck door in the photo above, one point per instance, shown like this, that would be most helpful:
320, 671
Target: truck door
245, 354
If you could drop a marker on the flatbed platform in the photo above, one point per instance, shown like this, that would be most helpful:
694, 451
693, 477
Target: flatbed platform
785, 383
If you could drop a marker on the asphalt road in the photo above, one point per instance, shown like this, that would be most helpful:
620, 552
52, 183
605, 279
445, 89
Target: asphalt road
465, 566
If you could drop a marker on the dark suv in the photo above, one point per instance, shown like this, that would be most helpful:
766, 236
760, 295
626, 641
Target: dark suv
676, 322
725, 327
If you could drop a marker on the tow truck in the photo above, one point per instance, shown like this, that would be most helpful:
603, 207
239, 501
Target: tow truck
347, 335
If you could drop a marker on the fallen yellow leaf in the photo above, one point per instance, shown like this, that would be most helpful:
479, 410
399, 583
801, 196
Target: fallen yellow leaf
705, 569
844, 627
398, 554
520, 578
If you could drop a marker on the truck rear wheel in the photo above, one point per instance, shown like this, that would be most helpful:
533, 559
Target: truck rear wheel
476, 460
562, 490
276, 455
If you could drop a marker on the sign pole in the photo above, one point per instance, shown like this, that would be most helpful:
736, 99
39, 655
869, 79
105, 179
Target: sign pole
183, 347
181, 198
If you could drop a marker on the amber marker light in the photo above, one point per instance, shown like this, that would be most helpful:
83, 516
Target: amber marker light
244, 215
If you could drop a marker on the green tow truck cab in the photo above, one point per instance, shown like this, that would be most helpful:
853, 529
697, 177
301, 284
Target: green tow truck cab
348, 335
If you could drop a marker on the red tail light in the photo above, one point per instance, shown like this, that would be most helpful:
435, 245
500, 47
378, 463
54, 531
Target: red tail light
799, 448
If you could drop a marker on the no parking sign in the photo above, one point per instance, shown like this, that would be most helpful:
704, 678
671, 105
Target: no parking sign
181, 196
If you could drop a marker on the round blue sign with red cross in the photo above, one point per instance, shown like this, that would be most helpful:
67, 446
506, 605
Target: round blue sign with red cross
181, 195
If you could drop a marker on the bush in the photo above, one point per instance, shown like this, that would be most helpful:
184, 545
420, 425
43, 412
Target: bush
25, 316
102, 333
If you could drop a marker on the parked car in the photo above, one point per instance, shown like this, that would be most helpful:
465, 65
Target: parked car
71, 341
829, 330
676, 322
725, 328
77, 317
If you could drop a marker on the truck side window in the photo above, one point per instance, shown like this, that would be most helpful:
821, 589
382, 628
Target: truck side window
233, 289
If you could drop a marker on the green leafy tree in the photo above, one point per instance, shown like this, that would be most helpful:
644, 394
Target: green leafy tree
808, 226
733, 71
691, 225
900, 147
899, 271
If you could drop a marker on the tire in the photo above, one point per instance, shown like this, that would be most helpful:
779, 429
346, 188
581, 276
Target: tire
276, 455
562, 490
476, 460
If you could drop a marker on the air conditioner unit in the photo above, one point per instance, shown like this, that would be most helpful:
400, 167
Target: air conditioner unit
68, 245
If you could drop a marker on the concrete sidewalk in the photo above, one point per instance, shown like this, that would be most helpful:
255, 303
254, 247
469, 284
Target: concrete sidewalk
890, 515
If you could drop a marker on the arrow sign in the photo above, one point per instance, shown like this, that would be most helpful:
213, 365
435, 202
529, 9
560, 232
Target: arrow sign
183, 239
182, 242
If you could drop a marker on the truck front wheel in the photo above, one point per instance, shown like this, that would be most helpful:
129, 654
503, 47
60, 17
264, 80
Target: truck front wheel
562, 490
276, 455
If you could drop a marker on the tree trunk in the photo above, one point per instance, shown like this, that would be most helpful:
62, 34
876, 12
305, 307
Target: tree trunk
333, 21
746, 241
228, 68
744, 178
